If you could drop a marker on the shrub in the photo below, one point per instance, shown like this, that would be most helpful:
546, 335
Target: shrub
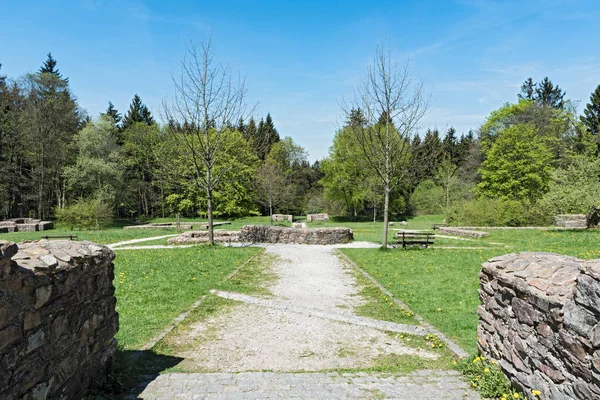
428, 198
86, 214
498, 212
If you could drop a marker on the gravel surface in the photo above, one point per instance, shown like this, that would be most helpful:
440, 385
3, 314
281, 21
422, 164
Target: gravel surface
252, 337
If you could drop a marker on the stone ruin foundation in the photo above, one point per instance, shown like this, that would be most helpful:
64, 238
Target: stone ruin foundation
282, 217
25, 225
577, 221
463, 232
540, 319
195, 237
279, 234
317, 217
57, 318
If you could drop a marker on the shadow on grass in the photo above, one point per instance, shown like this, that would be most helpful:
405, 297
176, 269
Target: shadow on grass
129, 374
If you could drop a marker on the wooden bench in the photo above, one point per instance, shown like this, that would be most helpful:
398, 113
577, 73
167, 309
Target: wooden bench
70, 237
415, 238
437, 226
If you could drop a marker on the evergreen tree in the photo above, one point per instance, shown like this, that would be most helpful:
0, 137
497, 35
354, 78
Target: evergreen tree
356, 118
241, 127
49, 67
591, 113
385, 118
113, 114
549, 94
138, 112
544, 92
527, 90
451, 145
270, 131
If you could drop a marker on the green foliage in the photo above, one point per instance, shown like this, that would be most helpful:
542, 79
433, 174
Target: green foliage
486, 377
574, 189
97, 169
517, 166
428, 198
85, 214
138, 112
591, 113
497, 212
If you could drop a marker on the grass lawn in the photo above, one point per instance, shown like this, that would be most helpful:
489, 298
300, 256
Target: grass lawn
441, 285
106, 236
155, 286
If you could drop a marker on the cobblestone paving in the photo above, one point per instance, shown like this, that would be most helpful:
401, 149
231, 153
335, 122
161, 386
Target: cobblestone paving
438, 385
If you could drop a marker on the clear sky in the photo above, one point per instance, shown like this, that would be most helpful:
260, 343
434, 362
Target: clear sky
301, 58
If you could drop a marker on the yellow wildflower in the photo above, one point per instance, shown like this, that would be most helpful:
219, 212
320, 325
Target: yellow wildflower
516, 395
486, 370
536, 392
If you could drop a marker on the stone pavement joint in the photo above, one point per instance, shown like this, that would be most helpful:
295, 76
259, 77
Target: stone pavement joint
341, 316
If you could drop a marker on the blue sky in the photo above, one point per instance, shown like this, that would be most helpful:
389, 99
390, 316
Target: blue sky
301, 58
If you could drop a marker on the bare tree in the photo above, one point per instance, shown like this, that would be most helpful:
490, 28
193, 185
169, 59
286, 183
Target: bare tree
272, 186
392, 104
206, 104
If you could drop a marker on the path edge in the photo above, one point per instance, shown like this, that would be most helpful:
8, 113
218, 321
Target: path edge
456, 349
181, 317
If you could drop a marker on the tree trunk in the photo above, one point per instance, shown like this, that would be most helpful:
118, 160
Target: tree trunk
386, 204
211, 236
374, 212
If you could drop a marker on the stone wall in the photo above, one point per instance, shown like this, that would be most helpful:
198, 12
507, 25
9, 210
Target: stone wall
317, 217
282, 217
57, 318
462, 232
25, 225
540, 319
571, 221
279, 234
194, 237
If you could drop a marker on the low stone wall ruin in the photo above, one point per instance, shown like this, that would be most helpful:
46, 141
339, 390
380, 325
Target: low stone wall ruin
25, 225
57, 318
196, 237
279, 234
463, 232
576, 221
317, 217
540, 319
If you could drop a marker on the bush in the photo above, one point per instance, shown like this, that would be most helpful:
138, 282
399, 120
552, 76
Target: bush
428, 198
86, 214
498, 212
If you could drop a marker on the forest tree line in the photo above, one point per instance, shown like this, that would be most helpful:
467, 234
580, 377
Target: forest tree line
56, 160
528, 161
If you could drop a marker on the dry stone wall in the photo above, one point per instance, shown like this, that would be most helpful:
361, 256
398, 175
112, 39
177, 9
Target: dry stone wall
194, 237
463, 232
282, 217
279, 234
57, 318
317, 217
25, 225
540, 319
571, 221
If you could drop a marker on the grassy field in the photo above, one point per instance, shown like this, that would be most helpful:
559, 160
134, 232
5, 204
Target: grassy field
441, 284
153, 287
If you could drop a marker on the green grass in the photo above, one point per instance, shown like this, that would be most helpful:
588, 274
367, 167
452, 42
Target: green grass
441, 285
106, 236
153, 287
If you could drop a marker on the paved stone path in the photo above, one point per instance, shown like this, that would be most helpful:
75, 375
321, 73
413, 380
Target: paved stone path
307, 324
426, 385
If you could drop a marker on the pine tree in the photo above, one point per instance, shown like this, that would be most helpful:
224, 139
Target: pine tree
271, 131
49, 67
550, 95
591, 113
544, 92
138, 112
527, 90
356, 118
241, 127
451, 145
113, 113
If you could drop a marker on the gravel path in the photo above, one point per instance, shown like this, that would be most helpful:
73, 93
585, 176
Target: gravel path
307, 324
